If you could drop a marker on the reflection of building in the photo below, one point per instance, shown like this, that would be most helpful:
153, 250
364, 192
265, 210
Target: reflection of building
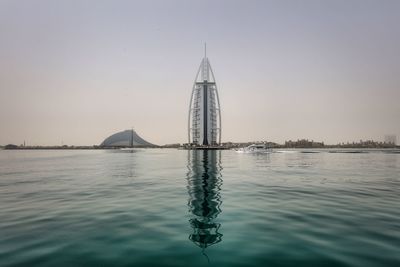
128, 138
204, 123
204, 185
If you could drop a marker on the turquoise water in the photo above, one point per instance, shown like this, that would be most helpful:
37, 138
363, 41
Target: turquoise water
170, 207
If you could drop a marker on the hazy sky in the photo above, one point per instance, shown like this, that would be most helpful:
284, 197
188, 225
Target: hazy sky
77, 71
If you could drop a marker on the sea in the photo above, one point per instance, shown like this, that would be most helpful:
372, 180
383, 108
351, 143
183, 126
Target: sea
169, 207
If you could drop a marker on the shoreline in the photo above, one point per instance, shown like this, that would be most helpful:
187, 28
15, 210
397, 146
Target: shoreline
200, 148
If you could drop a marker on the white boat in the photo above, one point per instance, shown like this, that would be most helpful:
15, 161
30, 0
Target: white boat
255, 148
130, 147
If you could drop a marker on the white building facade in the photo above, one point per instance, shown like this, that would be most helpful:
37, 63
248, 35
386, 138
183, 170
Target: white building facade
204, 122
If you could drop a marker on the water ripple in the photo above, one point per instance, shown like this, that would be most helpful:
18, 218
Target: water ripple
164, 207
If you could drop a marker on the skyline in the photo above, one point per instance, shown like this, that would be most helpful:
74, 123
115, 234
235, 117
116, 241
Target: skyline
76, 72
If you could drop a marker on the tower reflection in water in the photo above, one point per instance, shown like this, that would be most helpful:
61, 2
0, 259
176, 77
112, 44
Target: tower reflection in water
204, 186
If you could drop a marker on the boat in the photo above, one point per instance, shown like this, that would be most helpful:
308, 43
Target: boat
130, 147
255, 148
127, 148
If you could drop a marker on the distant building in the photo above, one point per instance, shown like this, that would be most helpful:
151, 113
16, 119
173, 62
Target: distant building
303, 143
128, 138
367, 144
11, 146
204, 123
391, 139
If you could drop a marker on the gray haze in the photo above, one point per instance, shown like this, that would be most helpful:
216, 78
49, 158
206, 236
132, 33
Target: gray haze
74, 72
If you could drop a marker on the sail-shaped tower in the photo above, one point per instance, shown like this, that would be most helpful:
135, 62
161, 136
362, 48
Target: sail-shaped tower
204, 122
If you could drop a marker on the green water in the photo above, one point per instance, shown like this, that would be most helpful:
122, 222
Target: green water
192, 208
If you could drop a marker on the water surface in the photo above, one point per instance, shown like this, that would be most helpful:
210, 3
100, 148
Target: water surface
165, 207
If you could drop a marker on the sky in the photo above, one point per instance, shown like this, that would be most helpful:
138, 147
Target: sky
74, 72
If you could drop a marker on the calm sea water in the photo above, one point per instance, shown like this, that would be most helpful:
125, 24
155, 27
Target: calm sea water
169, 207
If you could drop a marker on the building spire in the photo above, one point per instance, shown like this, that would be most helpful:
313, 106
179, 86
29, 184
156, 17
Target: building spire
205, 65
